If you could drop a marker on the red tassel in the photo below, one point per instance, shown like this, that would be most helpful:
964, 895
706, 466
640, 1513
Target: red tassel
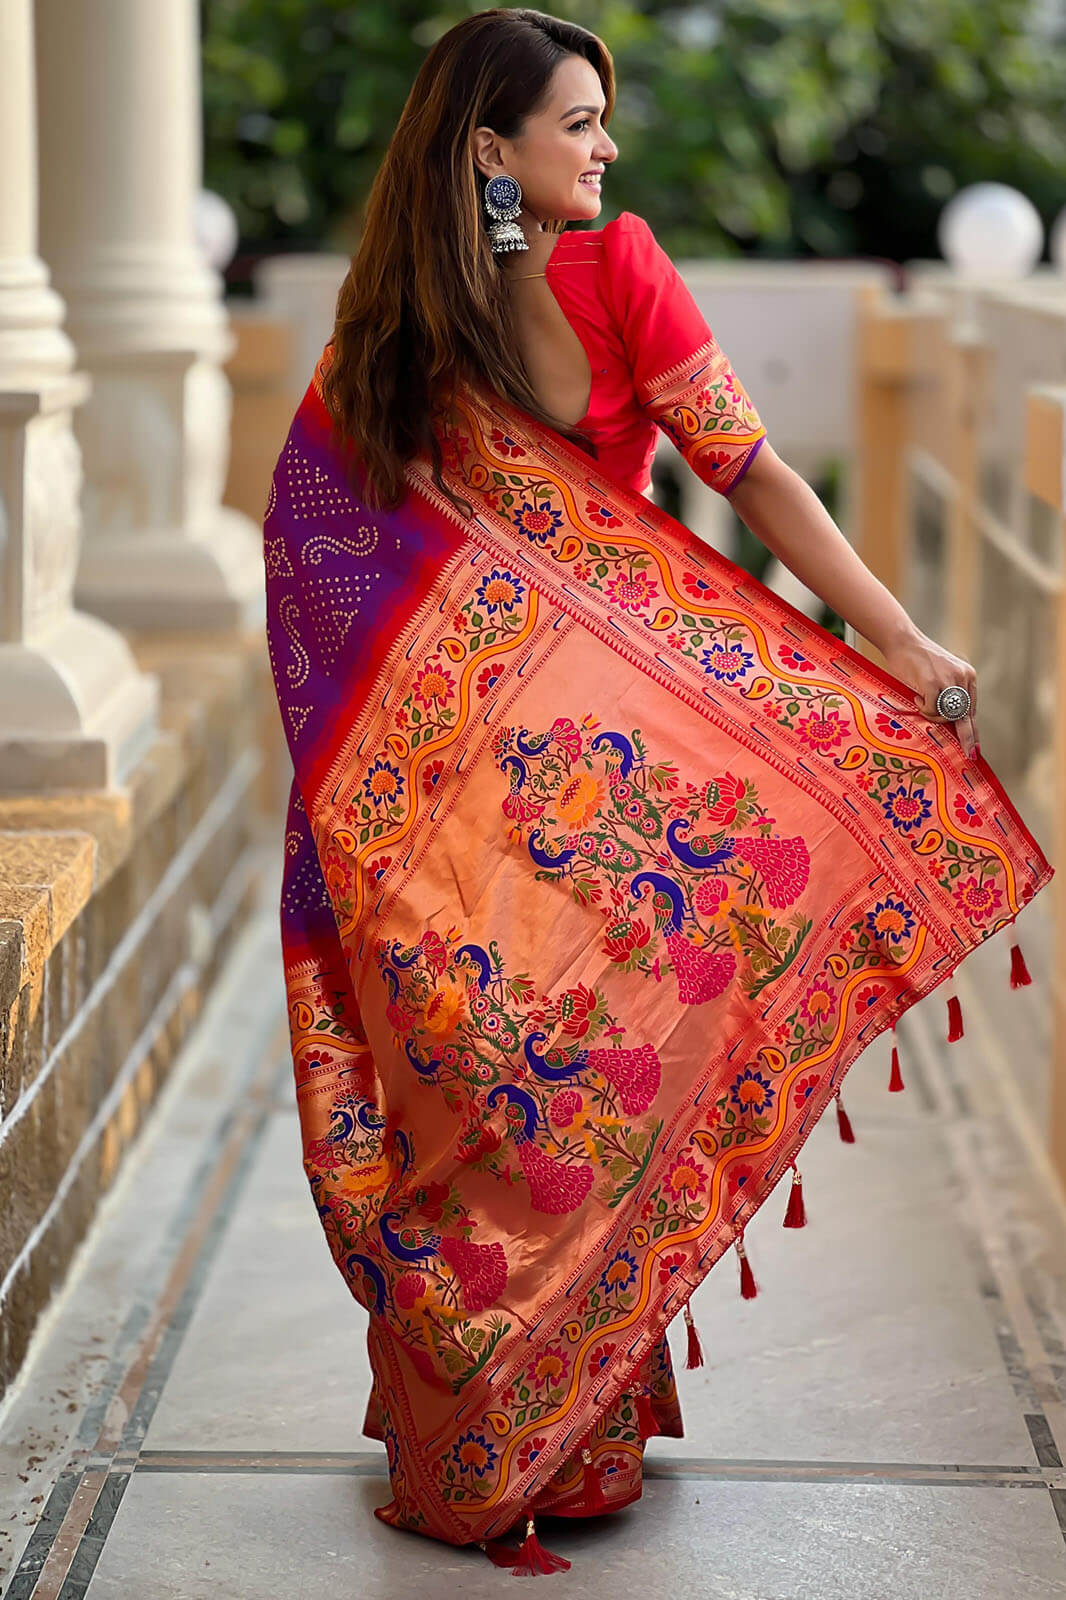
896, 1077
695, 1349
844, 1122
748, 1290
954, 1018
530, 1560
795, 1215
1019, 972
595, 1499
645, 1416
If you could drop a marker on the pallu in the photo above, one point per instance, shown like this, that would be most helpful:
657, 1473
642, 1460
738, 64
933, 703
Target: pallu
603, 863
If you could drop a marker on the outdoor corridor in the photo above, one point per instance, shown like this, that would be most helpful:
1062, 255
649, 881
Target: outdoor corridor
189, 1421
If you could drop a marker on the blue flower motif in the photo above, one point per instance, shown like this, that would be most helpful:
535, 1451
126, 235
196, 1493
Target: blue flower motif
890, 919
383, 783
903, 823
538, 523
467, 1452
500, 591
758, 1095
619, 1272
724, 652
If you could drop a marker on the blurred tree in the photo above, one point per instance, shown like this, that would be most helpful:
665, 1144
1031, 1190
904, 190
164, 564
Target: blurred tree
772, 127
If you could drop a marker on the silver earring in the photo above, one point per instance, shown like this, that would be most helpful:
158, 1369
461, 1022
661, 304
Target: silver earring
503, 201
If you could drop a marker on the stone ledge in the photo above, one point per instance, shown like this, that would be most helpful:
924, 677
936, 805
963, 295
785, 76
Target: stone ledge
56, 850
46, 877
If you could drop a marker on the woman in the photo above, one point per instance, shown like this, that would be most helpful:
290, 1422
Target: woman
603, 863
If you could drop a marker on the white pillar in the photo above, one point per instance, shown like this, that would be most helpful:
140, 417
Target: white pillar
121, 159
74, 709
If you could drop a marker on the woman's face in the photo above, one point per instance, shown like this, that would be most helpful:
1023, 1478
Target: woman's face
561, 143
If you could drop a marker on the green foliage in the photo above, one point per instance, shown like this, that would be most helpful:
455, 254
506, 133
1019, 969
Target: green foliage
772, 127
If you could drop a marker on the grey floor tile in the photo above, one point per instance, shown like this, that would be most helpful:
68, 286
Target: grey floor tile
175, 1538
869, 1338
275, 1354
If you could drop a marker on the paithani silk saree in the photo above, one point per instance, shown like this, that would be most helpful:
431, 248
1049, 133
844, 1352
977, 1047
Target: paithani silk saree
603, 863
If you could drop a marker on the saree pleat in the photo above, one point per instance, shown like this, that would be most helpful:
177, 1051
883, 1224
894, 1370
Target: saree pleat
603, 863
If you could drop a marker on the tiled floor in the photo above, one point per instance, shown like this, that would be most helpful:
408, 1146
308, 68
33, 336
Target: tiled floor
882, 1422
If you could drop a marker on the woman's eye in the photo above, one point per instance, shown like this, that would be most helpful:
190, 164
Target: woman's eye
574, 126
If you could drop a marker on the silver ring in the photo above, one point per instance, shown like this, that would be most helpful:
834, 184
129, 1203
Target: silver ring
953, 702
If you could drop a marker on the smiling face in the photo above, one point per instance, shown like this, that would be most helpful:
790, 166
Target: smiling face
560, 145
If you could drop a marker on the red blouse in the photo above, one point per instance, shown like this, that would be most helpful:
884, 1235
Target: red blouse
654, 360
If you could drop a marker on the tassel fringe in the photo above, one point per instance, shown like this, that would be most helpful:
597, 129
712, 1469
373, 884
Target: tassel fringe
529, 1560
695, 1349
844, 1122
595, 1499
748, 1289
795, 1213
645, 1416
895, 1080
1019, 972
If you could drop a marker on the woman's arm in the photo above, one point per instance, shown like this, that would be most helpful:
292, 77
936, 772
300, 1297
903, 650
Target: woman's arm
783, 511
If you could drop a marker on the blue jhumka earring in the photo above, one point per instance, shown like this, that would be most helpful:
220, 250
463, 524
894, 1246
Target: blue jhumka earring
503, 201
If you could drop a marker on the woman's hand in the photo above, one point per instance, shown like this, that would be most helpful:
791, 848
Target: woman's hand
927, 667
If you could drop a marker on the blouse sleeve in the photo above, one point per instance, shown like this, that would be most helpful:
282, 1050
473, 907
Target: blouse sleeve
681, 375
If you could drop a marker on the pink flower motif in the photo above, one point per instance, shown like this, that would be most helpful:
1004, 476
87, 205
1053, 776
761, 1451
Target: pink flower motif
978, 899
434, 684
565, 1107
685, 1177
634, 593
568, 735
822, 730
819, 1002
408, 1288
551, 1367
709, 895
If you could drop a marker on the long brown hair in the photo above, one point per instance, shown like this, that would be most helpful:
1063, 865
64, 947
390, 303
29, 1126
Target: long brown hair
424, 303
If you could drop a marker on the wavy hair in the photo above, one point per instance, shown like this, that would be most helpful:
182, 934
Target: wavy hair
424, 304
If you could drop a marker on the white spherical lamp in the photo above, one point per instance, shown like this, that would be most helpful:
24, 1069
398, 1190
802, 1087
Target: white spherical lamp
990, 230
216, 228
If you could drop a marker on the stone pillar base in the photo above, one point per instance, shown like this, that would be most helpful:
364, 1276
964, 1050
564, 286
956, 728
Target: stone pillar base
75, 711
78, 712
213, 579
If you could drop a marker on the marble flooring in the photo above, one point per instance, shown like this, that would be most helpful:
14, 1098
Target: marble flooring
884, 1421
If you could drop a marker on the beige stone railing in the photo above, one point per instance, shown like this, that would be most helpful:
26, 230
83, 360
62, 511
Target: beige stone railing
961, 513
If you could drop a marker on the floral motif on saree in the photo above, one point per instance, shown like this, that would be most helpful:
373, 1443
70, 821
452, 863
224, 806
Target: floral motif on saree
603, 863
